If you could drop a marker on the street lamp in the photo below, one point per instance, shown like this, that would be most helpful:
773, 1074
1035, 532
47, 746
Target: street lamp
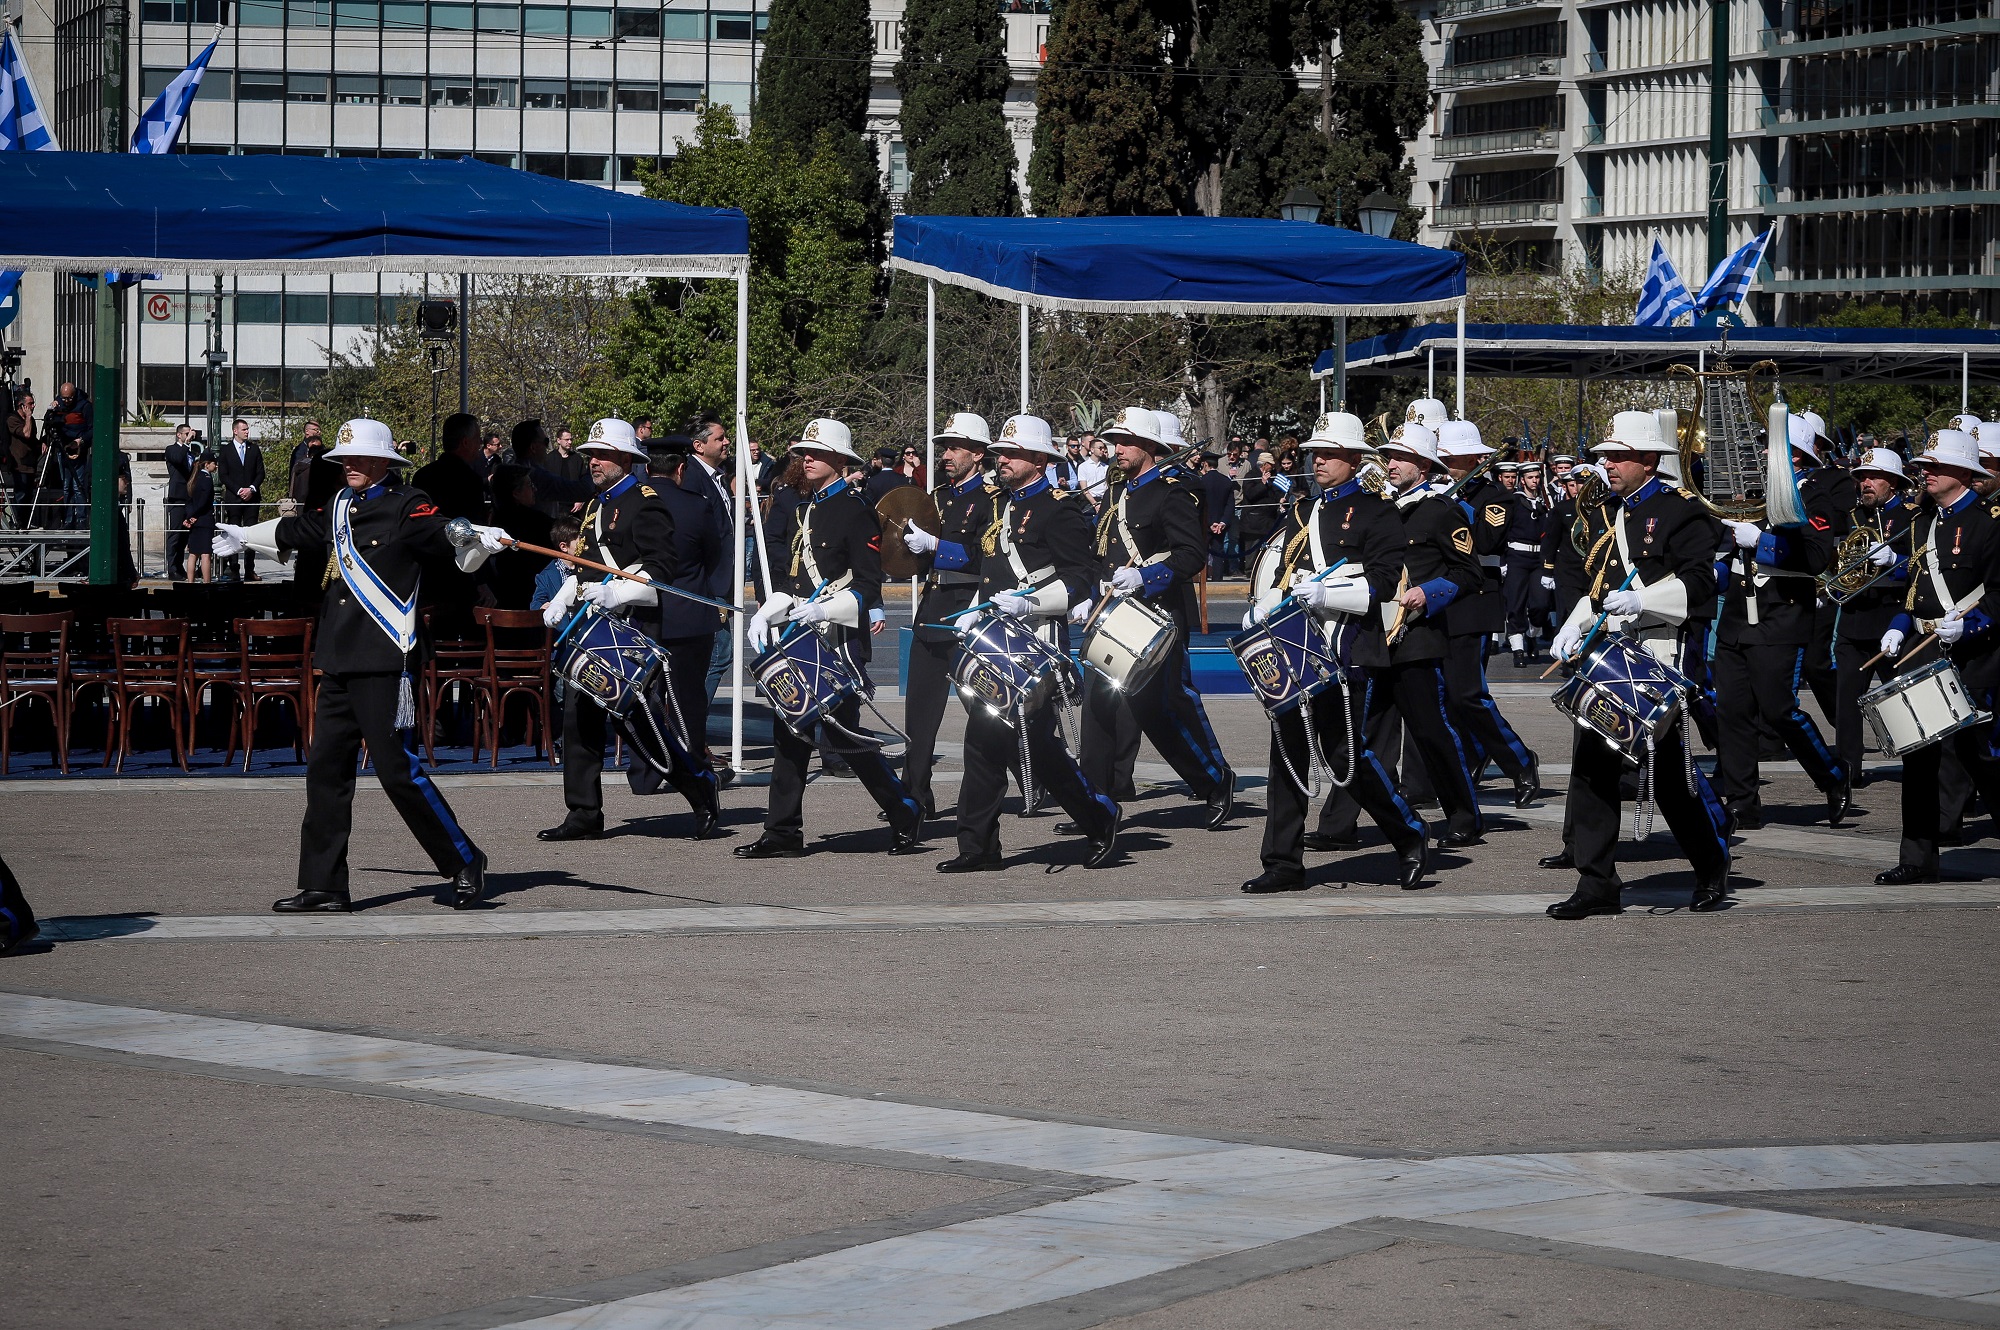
1379, 212
1301, 205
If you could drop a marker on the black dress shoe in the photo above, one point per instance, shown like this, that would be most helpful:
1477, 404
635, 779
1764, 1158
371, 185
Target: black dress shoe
571, 831
1273, 880
1528, 785
1560, 859
1838, 800
1458, 840
1582, 907
1222, 802
1903, 875
1746, 819
1326, 840
21, 939
312, 902
771, 846
1416, 863
707, 815
468, 884
1710, 896
972, 863
1103, 849
908, 842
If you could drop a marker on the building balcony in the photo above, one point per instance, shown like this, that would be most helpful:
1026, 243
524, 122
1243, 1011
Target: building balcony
1458, 9
1590, 205
1501, 71
1452, 147
1526, 212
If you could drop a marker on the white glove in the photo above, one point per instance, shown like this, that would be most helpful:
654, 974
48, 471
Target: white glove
471, 558
228, 532
1265, 604
1548, 583
492, 539
811, 611
919, 541
1080, 614
1747, 533
1012, 602
1951, 627
559, 604
760, 631
1344, 595
1250, 617
618, 593
1623, 603
1892, 642
1125, 581
1881, 555
1567, 642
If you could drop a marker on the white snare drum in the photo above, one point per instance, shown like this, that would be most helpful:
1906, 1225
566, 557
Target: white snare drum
1919, 708
1127, 641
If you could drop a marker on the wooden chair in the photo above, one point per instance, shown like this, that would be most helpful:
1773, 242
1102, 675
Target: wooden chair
453, 660
276, 656
215, 652
34, 663
93, 664
517, 665
151, 657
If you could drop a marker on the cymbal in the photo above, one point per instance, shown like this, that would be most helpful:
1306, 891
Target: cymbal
901, 508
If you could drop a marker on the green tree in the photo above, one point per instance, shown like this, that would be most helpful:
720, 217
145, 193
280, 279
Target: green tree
1890, 410
953, 76
815, 79
1106, 140
1237, 104
810, 285
1371, 99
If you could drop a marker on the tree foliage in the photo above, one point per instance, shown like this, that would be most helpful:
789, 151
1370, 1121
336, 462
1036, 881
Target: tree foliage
1238, 105
814, 79
953, 77
1892, 412
1106, 140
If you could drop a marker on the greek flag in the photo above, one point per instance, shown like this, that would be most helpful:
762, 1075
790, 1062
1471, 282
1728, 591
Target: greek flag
1664, 297
22, 129
1730, 281
161, 125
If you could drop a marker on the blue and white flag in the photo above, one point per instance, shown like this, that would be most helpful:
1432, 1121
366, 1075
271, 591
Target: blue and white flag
1730, 281
22, 129
161, 125
1664, 297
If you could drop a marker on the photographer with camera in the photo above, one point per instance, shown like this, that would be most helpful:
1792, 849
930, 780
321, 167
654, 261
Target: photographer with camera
182, 456
67, 430
21, 459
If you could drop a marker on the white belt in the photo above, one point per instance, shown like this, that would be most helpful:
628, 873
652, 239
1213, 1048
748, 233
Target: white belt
1523, 547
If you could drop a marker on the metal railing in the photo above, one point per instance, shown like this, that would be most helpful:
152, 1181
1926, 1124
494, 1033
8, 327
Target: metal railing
1500, 71
1496, 214
1452, 9
1453, 146
1590, 205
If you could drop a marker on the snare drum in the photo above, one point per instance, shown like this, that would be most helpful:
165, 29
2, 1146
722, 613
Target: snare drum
1624, 694
1003, 666
804, 677
1286, 658
607, 660
1919, 708
1127, 641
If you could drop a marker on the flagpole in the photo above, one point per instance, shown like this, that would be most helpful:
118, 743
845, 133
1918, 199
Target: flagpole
1718, 142
104, 515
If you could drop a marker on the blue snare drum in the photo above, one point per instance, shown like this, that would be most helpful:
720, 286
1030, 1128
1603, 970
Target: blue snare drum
1286, 658
607, 660
803, 676
1003, 666
1624, 694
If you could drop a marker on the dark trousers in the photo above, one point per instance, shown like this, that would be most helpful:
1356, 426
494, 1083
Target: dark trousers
991, 748
1700, 671
75, 492
177, 541
1168, 711
1822, 668
355, 709
1411, 698
1474, 713
243, 514
17, 919
687, 672
1340, 815
1753, 681
1522, 586
1333, 715
1592, 814
1923, 814
654, 745
925, 693
786, 815
1849, 729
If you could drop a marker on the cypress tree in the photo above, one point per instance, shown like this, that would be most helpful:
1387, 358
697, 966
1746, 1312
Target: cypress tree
1106, 141
1236, 104
815, 80
1371, 99
953, 76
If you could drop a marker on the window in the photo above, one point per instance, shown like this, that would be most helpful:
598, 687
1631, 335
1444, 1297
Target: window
545, 163
735, 96
590, 23
305, 309
499, 18
257, 306
153, 82
400, 154
180, 11
681, 27
307, 13
170, 383
638, 22
353, 309
260, 14
402, 91
357, 14
738, 27
357, 152
899, 168
458, 17
628, 168
300, 384
215, 86
451, 91
403, 17
638, 97
357, 89
259, 85
587, 166
589, 95
499, 92
546, 21
254, 384
505, 159
305, 87
545, 94
680, 97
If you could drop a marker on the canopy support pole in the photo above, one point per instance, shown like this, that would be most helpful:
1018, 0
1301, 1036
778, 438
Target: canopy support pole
464, 343
1964, 381
1461, 357
1431, 372
1024, 358
930, 405
105, 519
1339, 368
742, 506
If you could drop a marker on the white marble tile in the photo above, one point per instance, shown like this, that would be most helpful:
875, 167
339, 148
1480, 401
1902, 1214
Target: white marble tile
559, 1084
1592, 1213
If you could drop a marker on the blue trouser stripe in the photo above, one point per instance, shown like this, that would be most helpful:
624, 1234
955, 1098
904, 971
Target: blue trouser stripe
1804, 724
436, 800
1463, 773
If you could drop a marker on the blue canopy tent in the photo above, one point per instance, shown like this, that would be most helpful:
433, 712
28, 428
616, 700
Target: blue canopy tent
97, 212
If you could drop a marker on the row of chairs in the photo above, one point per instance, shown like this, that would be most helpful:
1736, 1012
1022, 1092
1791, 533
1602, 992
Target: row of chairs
48, 658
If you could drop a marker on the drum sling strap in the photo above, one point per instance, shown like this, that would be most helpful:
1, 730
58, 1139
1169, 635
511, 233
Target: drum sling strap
594, 516
395, 615
1317, 764
1938, 587
1643, 808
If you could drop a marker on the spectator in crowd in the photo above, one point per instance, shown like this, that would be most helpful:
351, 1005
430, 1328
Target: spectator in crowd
1257, 507
197, 523
455, 482
67, 429
511, 574
309, 447
883, 475
781, 514
567, 465
1219, 511
706, 475
913, 468
763, 467
1233, 460
239, 479
21, 462
183, 459
560, 485
1062, 473
642, 428
563, 535
693, 634
492, 453
1093, 473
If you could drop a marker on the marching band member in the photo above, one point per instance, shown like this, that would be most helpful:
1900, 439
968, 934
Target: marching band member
1822, 670
629, 526
1959, 537
1526, 534
1152, 539
1575, 546
381, 533
969, 505
1651, 574
1767, 623
1471, 620
1359, 538
1866, 615
1036, 568
831, 581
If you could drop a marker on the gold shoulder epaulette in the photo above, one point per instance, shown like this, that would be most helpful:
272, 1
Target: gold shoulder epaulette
649, 491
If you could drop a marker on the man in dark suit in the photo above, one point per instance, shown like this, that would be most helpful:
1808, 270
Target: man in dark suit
707, 475
702, 565
239, 481
456, 484
180, 458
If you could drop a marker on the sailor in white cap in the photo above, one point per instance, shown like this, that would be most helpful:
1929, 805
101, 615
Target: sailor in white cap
828, 581
381, 534
1959, 537
1152, 541
1885, 512
968, 505
1650, 576
628, 525
1767, 626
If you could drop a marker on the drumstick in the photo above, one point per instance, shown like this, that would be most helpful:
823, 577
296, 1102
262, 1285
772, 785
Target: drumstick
1922, 642
1591, 636
595, 566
